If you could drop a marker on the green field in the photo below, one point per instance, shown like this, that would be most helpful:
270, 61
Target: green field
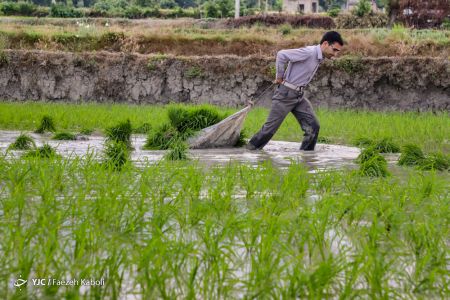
178, 230
430, 131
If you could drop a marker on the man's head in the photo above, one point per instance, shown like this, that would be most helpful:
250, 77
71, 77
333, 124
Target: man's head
331, 44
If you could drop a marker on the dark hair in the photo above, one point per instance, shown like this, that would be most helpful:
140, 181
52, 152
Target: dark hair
332, 37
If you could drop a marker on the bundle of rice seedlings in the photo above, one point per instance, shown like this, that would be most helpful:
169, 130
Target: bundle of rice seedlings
120, 133
386, 145
86, 131
242, 141
435, 161
23, 142
367, 154
143, 129
184, 119
375, 166
46, 151
411, 155
64, 136
161, 138
178, 151
323, 140
47, 124
363, 142
116, 154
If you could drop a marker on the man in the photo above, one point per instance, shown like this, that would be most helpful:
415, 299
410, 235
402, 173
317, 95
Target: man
288, 97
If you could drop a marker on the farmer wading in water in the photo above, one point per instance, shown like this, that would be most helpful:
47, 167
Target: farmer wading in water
288, 97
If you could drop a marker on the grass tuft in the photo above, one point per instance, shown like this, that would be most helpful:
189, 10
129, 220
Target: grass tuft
64, 136
47, 124
23, 142
143, 129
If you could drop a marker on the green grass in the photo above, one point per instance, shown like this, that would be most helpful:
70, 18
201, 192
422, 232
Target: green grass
429, 131
178, 230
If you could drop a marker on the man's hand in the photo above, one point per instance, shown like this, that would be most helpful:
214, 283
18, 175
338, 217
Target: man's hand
278, 80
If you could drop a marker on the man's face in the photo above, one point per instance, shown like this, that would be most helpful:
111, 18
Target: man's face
330, 50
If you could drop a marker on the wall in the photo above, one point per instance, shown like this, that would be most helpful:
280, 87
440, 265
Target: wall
372, 83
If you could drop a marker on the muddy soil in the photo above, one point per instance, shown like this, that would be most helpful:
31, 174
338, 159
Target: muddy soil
278, 152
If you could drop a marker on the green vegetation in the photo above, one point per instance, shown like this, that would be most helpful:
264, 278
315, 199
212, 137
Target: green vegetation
64, 136
174, 229
120, 133
46, 124
178, 151
411, 155
372, 163
383, 145
116, 154
46, 151
427, 130
23, 142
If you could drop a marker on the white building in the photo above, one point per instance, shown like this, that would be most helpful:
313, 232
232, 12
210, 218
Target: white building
301, 6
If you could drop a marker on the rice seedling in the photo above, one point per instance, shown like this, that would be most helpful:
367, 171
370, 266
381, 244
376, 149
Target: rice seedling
367, 154
386, 145
161, 138
23, 142
363, 142
411, 155
143, 129
184, 119
242, 140
64, 136
116, 154
435, 161
120, 133
178, 150
46, 151
47, 124
375, 166
86, 131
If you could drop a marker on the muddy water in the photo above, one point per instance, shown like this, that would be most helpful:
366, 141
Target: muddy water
280, 153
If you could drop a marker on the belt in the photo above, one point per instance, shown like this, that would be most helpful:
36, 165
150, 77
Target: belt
291, 86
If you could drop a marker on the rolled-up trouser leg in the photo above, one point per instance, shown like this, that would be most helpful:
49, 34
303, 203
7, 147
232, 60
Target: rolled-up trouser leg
276, 116
305, 115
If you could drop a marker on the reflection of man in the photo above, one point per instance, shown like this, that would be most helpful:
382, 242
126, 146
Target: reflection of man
288, 97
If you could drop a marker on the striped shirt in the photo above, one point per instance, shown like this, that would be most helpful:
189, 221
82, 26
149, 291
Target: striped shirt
302, 64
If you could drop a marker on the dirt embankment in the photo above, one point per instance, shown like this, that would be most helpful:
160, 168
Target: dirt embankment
373, 83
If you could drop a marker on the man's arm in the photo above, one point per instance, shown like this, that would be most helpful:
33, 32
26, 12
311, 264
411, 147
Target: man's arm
289, 55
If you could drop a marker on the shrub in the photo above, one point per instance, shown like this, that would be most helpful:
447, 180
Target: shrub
362, 8
47, 124
23, 142
372, 20
116, 154
286, 29
334, 12
46, 151
62, 11
64, 136
411, 155
17, 9
349, 64
120, 133
277, 20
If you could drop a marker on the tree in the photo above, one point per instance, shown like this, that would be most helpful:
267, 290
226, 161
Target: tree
363, 8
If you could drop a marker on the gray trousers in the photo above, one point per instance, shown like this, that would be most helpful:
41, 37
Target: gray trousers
285, 101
